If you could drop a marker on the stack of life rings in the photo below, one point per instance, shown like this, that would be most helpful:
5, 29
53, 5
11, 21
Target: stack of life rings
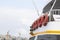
43, 20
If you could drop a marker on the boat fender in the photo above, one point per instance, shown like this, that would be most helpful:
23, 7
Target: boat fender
41, 21
45, 20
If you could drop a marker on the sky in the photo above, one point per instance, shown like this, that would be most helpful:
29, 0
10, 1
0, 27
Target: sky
16, 16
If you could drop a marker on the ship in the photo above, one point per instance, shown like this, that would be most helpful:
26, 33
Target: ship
47, 26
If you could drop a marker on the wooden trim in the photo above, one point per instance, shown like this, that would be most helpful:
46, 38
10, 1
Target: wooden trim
47, 32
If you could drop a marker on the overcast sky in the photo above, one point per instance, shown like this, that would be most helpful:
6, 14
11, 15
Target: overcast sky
16, 16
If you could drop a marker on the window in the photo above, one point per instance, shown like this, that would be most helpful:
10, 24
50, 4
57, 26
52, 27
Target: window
59, 12
47, 37
56, 12
58, 37
32, 38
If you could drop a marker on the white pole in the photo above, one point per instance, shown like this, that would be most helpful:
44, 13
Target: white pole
51, 10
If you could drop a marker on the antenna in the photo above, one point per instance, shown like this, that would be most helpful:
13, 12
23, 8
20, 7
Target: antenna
35, 7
